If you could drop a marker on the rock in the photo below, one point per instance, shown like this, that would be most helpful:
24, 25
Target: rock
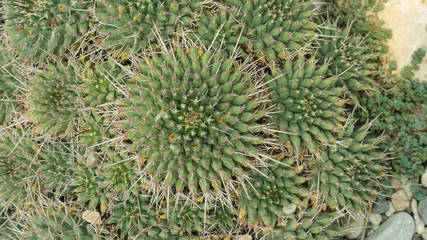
381, 206
391, 211
400, 200
92, 217
407, 188
419, 224
400, 226
244, 237
422, 210
424, 234
424, 180
375, 219
289, 208
375, 227
355, 226
395, 183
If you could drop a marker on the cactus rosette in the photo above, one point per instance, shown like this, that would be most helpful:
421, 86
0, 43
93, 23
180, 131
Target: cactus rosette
350, 172
275, 28
269, 195
42, 28
185, 111
134, 24
54, 99
309, 108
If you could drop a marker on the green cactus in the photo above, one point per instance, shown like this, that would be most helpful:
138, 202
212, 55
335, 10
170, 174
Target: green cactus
220, 31
310, 224
348, 58
9, 87
42, 28
56, 162
309, 107
59, 224
53, 99
101, 84
350, 173
275, 28
271, 194
185, 111
137, 24
135, 216
18, 168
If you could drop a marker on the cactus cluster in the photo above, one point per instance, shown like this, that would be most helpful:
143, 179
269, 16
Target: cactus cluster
187, 120
342, 172
347, 58
184, 112
38, 29
53, 99
309, 106
131, 23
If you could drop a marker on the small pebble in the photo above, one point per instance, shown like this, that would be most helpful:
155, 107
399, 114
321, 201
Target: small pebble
424, 180
375, 219
92, 217
380, 206
422, 210
245, 237
391, 211
355, 226
289, 209
400, 200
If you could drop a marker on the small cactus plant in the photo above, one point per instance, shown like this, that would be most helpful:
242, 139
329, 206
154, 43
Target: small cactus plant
43, 28
185, 111
309, 106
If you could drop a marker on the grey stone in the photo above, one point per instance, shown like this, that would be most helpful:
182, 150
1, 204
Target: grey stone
400, 226
422, 210
419, 224
381, 206
375, 219
424, 234
391, 211
355, 226
424, 180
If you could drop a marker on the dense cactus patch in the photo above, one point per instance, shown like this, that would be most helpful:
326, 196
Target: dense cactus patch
167, 119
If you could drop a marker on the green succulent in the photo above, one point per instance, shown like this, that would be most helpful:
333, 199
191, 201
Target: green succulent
17, 168
350, 173
220, 31
400, 111
38, 29
275, 28
56, 163
185, 112
347, 57
88, 183
59, 224
280, 189
137, 24
54, 99
96, 128
309, 108
102, 176
9, 87
135, 216
100, 84
310, 224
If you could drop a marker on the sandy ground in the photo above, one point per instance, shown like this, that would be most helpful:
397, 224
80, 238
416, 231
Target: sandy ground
408, 21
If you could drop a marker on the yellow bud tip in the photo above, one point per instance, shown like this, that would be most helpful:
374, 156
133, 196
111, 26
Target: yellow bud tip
28, 94
200, 52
